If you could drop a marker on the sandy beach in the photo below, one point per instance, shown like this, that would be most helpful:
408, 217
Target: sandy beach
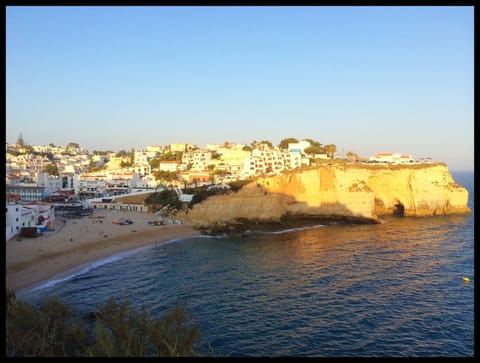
76, 242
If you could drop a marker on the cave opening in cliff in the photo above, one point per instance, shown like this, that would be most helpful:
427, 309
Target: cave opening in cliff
398, 209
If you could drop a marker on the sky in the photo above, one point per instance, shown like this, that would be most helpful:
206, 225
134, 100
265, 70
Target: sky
367, 79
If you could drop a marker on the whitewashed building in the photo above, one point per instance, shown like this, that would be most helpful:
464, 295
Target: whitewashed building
394, 158
168, 165
91, 185
13, 216
198, 159
18, 216
299, 146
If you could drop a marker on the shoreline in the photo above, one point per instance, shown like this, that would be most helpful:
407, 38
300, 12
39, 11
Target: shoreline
86, 267
78, 243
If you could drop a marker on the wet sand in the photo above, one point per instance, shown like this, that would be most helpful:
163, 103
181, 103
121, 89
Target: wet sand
77, 242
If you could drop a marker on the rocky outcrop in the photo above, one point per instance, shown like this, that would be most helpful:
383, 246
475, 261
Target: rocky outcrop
357, 192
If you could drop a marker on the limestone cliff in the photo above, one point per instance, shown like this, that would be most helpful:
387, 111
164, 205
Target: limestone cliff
354, 191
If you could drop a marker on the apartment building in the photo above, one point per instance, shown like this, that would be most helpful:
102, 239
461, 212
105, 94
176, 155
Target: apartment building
270, 160
26, 192
199, 159
93, 185
53, 183
169, 165
18, 216
158, 149
144, 156
181, 147
13, 220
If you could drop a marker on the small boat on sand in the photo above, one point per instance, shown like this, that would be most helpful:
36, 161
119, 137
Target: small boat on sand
122, 221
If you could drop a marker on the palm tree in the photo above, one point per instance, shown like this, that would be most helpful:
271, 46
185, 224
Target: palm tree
330, 149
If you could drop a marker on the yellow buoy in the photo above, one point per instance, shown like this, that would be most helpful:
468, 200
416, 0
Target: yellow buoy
466, 279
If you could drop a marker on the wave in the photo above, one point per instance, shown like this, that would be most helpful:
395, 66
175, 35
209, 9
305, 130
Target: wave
85, 268
194, 237
290, 230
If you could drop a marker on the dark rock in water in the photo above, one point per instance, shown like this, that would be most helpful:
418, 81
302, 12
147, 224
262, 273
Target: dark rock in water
92, 316
242, 225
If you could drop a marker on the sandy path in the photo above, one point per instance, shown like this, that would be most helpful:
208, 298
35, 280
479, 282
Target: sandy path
80, 241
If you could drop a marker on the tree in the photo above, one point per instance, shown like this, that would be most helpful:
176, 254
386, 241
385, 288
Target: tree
13, 152
351, 154
171, 156
211, 167
284, 143
247, 148
211, 178
121, 153
164, 198
132, 156
266, 142
330, 149
28, 149
125, 164
313, 143
313, 150
20, 141
154, 163
51, 169
72, 146
195, 181
167, 176
100, 152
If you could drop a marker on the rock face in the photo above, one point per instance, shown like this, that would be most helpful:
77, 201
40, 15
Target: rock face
353, 191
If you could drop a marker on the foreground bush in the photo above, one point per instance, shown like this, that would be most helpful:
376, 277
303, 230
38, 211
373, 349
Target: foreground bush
53, 330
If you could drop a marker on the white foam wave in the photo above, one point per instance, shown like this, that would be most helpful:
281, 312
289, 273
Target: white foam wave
290, 230
83, 269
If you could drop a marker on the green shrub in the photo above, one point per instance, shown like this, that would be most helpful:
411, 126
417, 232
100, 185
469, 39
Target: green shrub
239, 184
201, 194
53, 330
49, 330
165, 197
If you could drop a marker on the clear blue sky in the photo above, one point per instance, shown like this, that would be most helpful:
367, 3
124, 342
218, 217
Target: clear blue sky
367, 79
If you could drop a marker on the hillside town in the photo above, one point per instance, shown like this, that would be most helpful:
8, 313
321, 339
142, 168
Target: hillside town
44, 181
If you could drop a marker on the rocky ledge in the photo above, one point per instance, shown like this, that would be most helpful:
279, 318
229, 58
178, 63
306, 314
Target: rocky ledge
352, 193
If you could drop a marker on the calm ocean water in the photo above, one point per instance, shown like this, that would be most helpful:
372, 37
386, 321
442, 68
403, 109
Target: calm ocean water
394, 289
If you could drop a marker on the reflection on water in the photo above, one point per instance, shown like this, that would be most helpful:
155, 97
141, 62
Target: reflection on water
392, 289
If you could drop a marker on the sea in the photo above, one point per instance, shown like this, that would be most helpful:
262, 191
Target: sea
395, 289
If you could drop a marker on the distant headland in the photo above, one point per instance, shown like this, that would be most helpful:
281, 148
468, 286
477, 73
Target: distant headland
357, 193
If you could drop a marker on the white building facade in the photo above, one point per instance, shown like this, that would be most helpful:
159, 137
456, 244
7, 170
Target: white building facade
394, 158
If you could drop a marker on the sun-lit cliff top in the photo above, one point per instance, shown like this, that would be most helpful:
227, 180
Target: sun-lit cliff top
354, 191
